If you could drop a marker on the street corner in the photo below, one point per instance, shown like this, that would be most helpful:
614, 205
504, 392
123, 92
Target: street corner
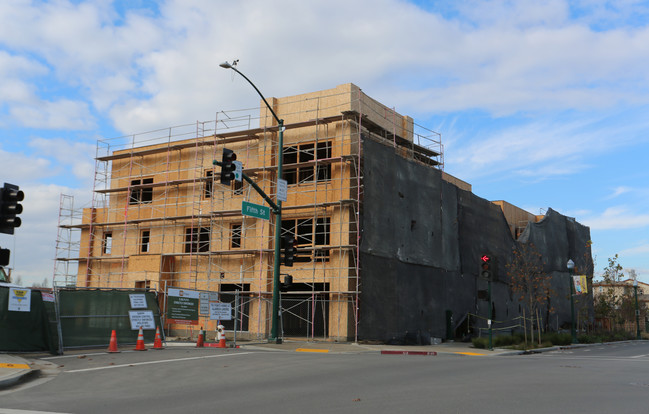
14, 369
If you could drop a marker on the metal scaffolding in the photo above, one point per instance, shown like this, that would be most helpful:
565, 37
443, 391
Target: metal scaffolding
160, 218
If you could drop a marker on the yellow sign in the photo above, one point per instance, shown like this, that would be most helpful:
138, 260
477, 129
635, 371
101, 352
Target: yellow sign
20, 300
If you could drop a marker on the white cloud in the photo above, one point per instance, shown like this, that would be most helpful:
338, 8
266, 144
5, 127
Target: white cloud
637, 250
619, 191
18, 168
60, 114
77, 157
616, 218
155, 70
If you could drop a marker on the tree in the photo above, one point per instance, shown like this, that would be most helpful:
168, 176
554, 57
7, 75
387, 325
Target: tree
43, 284
609, 300
583, 301
528, 282
628, 302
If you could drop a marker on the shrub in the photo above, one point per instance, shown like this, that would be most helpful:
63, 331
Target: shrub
480, 342
504, 340
588, 339
556, 338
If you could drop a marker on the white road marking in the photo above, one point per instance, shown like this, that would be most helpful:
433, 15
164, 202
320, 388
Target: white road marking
157, 362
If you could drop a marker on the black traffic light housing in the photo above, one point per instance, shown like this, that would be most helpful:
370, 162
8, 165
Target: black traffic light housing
227, 166
288, 282
488, 267
289, 250
10, 196
4, 257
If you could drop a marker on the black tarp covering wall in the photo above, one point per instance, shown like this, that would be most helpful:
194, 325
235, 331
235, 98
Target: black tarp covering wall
25, 331
421, 241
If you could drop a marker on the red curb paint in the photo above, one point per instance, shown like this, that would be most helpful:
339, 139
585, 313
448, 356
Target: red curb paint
408, 352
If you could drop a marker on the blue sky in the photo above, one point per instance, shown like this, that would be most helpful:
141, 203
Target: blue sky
542, 104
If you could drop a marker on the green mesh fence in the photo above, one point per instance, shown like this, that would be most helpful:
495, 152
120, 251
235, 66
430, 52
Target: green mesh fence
28, 331
89, 316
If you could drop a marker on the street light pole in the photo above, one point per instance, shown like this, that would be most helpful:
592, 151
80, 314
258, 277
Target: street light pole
278, 211
637, 310
571, 270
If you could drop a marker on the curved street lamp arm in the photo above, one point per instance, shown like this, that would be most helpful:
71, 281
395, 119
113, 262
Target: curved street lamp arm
279, 121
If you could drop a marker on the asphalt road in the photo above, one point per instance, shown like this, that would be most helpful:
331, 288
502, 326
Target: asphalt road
597, 379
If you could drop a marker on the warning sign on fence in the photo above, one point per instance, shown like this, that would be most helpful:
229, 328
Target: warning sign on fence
141, 318
182, 306
220, 311
20, 300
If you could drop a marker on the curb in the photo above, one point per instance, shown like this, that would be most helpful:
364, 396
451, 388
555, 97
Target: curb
386, 352
18, 377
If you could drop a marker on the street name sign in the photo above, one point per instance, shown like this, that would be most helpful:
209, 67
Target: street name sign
255, 210
282, 189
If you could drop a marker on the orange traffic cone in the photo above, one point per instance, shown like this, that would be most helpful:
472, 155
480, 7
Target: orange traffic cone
157, 342
201, 339
112, 346
139, 345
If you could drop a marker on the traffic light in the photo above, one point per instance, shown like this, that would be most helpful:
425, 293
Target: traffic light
487, 267
4, 257
227, 166
288, 282
10, 195
289, 250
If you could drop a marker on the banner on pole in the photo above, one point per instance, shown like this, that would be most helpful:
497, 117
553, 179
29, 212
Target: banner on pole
581, 284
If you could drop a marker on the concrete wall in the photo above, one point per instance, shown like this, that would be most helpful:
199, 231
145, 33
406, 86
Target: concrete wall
421, 241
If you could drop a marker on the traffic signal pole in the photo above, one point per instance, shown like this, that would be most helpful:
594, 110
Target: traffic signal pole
491, 348
277, 208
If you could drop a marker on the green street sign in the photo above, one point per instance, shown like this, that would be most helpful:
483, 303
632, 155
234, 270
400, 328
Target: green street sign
255, 210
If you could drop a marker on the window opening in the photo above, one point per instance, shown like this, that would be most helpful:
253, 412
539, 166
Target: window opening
142, 284
235, 235
309, 234
209, 184
307, 153
197, 240
141, 195
107, 243
144, 241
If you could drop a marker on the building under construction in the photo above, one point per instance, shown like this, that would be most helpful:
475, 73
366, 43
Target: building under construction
388, 243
